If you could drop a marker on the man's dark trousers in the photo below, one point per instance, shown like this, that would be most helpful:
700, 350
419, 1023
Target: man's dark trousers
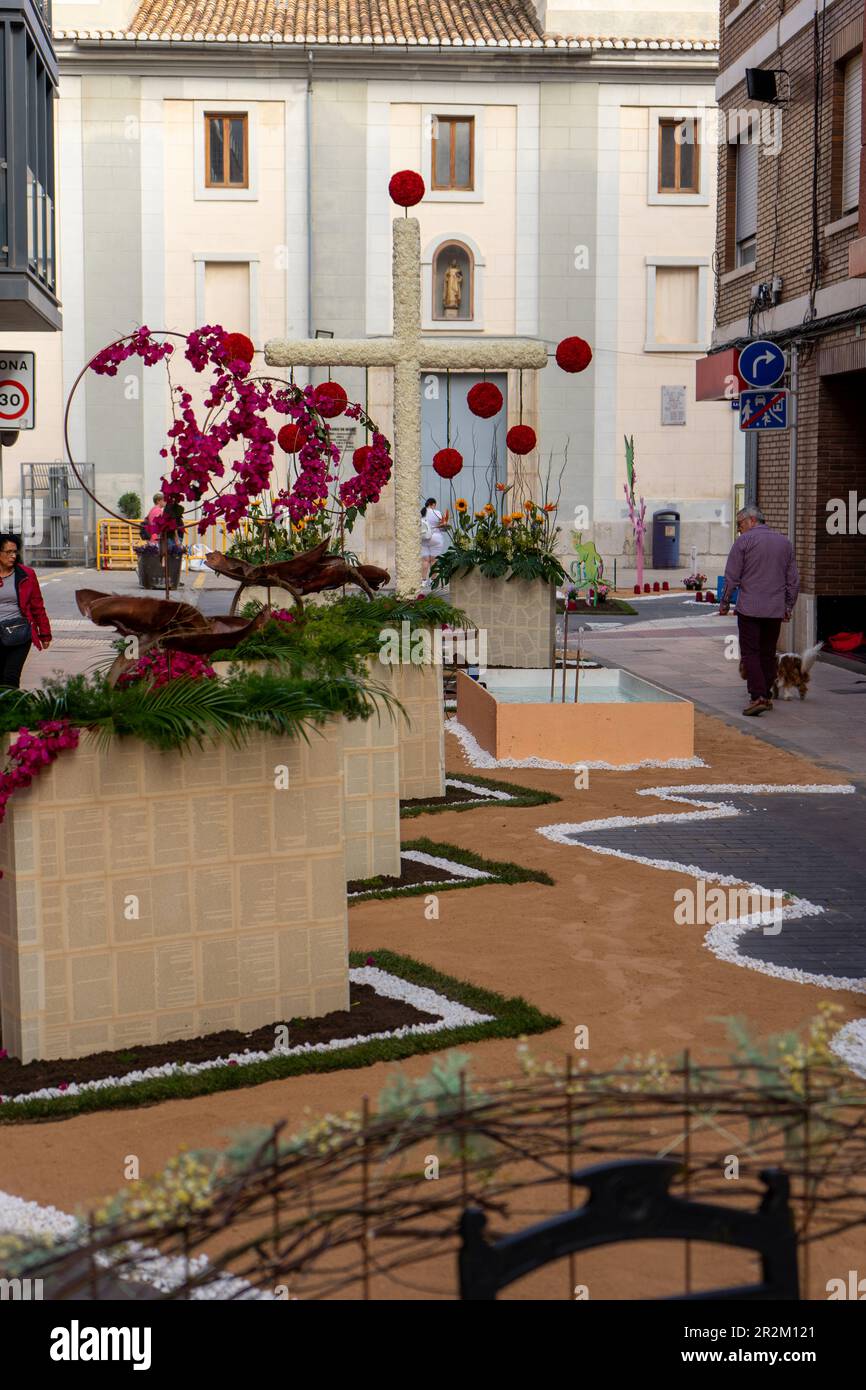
758, 638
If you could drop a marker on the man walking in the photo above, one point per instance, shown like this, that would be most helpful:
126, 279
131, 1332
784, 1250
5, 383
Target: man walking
762, 563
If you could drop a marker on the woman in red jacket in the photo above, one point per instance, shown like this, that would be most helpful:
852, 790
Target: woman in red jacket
23, 620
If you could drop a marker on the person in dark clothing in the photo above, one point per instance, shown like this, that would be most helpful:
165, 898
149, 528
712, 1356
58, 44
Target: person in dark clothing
23, 620
761, 563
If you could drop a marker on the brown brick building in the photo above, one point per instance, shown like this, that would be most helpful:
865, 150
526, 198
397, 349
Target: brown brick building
791, 266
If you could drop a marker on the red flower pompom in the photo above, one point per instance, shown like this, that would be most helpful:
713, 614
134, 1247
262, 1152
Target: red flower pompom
361, 457
330, 399
484, 399
406, 188
291, 438
238, 345
448, 463
573, 355
521, 439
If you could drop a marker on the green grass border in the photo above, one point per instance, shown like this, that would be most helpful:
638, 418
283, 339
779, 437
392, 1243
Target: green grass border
522, 796
513, 1017
501, 871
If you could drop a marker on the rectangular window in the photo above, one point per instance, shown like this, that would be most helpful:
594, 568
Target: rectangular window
676, 304
679, 156
746, 225
226, 151
851, 138
227, 295
453, 162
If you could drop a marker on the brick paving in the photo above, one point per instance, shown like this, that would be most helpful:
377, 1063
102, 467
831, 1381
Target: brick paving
809, 846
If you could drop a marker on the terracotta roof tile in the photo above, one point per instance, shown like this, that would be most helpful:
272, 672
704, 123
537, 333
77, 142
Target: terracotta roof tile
481, 23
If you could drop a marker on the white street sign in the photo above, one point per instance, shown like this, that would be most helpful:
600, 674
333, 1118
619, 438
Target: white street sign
17, 390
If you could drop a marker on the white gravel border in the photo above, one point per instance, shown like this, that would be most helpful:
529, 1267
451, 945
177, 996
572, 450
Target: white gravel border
850, 1044
477, 757
29, 1219
723, 937
448, 1014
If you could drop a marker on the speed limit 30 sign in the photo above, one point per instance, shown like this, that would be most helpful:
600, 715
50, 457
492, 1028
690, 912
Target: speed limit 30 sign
17, 390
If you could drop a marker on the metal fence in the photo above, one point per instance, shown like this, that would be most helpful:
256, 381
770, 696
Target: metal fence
59, 518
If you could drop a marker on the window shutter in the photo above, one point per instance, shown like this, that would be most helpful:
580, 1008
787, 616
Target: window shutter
851, 134
747, 190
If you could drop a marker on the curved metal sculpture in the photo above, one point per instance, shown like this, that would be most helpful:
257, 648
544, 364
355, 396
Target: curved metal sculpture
177, 627
308, 573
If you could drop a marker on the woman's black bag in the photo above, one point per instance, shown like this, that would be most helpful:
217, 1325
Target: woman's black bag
14, 632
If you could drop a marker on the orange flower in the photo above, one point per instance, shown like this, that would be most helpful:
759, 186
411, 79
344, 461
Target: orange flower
461, 504
501, 487
481, 515
550, 506
489, 508
528, 506
506, 521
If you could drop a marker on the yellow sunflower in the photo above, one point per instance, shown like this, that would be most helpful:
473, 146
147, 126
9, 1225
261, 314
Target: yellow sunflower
461, 504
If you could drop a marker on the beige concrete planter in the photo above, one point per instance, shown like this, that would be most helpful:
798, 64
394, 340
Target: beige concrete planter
150, 896
518, 616
421, 733
371, 794
371, 772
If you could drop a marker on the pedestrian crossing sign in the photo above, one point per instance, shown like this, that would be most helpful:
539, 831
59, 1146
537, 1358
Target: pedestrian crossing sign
764, 410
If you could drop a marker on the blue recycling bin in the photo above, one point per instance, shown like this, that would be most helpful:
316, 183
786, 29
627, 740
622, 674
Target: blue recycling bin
720, 584
666, 540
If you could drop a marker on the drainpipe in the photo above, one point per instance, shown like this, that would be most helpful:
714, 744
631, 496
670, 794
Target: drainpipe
792, 466
309, 196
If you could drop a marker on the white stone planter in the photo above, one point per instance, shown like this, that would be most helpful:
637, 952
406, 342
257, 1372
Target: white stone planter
152, 896
517, 615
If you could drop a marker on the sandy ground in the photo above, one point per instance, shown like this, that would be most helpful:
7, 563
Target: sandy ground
599, 948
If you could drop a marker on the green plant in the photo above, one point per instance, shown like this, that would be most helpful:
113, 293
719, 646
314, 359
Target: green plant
517, 544
129, 505
184, 712
341, 636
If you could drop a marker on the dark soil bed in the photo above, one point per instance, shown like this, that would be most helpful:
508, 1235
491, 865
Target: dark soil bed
368, 1012
413, 872
453, 796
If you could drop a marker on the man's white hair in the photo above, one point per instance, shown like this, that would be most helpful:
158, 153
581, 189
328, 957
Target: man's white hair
750, 512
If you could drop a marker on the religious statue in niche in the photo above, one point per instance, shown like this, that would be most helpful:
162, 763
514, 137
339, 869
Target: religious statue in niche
452, 290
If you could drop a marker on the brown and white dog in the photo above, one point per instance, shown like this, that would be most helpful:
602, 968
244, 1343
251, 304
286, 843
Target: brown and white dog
792, 674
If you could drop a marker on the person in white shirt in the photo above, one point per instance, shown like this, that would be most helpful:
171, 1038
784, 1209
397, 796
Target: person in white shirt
434, 537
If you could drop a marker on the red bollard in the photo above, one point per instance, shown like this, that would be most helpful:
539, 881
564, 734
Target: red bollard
665, 587
646, 588
656, 587
637, 588
699, 598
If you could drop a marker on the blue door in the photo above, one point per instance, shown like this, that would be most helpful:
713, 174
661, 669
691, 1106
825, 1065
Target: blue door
481, 442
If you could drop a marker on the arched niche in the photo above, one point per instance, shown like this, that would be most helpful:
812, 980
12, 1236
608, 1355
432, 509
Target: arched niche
452, 272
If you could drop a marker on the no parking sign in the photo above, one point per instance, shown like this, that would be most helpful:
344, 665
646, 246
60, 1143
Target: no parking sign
17, 390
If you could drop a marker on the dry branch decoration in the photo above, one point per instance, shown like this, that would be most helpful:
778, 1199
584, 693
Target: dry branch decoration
344, 1208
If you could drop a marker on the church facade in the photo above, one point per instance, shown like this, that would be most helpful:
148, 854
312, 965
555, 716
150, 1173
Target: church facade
211, 173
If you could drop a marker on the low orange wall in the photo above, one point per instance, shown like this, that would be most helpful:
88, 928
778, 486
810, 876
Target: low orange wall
476, 711
569, 733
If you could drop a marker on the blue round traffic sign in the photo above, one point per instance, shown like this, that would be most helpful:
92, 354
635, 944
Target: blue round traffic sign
762, 363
